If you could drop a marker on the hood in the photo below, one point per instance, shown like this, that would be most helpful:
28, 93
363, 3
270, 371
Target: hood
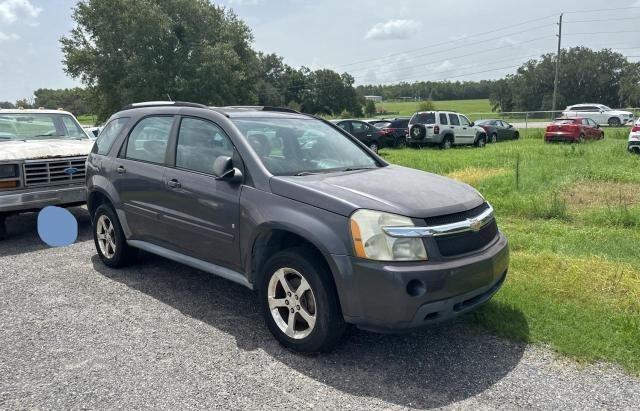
393, 189
619, 112
30, 150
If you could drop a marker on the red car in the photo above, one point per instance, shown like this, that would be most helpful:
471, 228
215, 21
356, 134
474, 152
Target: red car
575, 130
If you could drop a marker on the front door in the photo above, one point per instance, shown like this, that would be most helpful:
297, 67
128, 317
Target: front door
138, 176
201, 213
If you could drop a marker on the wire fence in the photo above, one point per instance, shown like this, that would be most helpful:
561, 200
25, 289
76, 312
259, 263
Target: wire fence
535, 118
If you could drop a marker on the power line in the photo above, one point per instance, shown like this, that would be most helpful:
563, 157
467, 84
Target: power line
457, 40
603, 32
601, 20
597, 10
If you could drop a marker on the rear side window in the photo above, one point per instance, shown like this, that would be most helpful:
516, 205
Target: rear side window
384, 124
200, 143
465, 121
423, 118
443, 119
453, 118
359, 127
149, 138
109, 134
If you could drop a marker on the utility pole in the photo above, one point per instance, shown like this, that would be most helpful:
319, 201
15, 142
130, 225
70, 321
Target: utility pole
555, 81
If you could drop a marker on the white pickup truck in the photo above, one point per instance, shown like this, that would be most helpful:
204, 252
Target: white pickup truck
42, 161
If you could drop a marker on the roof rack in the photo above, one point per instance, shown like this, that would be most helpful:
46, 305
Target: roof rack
145, 104
265, 108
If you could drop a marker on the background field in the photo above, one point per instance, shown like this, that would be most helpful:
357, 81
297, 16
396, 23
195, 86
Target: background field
407, 108
572, 215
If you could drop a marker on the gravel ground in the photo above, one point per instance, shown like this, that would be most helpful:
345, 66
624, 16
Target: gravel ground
75, 334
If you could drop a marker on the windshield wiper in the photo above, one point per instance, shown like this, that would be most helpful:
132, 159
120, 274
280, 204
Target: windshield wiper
305, 173
357, 168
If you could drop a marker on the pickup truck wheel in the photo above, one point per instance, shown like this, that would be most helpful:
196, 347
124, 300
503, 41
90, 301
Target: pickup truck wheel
299, 301
109, 239
614, 122
447, 143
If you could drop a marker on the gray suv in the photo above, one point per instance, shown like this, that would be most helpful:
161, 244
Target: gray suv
294, 207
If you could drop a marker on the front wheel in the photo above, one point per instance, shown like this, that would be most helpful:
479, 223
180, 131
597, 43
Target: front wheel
614, 122
401, 142
581, 139
373, 147
481, 141
494, 138
300, 302
3, 227
109, 239
447, 143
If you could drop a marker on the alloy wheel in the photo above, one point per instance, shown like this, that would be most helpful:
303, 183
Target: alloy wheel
373, 147
106, 235
292, 303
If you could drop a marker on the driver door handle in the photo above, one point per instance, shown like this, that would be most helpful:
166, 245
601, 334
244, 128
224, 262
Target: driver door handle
174, 183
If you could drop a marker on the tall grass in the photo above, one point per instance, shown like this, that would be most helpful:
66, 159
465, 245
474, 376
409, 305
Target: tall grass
574, 235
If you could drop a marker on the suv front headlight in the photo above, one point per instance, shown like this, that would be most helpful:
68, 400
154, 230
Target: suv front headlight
371, 242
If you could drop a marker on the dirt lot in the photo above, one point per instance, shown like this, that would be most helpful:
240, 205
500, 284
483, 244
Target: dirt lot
75, 334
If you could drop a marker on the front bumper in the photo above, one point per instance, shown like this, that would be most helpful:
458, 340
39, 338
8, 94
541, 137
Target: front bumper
381, 296
37, 198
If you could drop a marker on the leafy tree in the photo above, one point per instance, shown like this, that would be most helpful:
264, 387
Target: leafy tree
426, 105
7, 104
136, 50
75, 100
630, 86
370, 108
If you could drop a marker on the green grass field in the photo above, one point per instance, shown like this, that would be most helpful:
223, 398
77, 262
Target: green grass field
572, 215
87, 120
460, 106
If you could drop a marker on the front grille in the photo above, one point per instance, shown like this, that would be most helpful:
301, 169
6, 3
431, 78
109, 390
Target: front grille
54, 171
467, 242
456, 217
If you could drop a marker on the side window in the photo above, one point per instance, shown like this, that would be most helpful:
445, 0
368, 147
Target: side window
585, 121
453, 119
109, 134
443, 119
148, 139
200, 143
358, 127
344, 126
73, 129
464, 121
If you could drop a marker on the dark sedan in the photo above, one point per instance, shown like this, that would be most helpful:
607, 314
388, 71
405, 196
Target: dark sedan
396, 130
371, 136
498, 130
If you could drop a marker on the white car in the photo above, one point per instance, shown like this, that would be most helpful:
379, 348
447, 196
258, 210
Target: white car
93, 132
600, 114
42, 161
634, 138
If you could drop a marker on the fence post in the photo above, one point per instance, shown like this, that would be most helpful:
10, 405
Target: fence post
518, 171
526, 123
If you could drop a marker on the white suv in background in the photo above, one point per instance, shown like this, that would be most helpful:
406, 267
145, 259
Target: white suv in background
444, 129
599, 113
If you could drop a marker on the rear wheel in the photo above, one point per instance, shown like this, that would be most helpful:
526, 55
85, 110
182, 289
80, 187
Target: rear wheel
447, 143
401, 142
300, 302
614, 122
516, 136
109, 238
581, 139
373, 147
494, 138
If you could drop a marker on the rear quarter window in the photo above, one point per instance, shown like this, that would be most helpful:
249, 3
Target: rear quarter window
423, 118
109, 134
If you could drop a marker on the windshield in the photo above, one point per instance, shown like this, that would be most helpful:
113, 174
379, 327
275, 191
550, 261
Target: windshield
382, 124
423, 118
39, 126
605, 108
289, 146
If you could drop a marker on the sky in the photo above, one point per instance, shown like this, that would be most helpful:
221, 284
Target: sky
375, 41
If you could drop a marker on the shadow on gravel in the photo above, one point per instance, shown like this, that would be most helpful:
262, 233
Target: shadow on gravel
433, 367
23, 232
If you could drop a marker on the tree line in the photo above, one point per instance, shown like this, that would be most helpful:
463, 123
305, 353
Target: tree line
126, 51
434, 90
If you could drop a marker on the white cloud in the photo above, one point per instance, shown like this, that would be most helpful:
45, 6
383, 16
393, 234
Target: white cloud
12, 10
10, 36
392, 30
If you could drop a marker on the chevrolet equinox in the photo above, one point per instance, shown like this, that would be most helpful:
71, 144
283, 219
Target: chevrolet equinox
294, 207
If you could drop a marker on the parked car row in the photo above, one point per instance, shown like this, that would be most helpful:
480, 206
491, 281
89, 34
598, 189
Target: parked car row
634, 138
599, 113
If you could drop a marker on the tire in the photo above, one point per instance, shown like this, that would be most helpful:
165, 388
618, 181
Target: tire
319, 302
481, 141
447, 143
373, 146
401, 142
614, 122
602, 135
494, 138
516, 136
418, 132
109, 239
3, 227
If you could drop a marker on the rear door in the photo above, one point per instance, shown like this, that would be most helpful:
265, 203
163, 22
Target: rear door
201, 213
502, 130
138, 176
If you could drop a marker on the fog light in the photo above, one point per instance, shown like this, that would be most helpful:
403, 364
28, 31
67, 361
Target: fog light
416, 288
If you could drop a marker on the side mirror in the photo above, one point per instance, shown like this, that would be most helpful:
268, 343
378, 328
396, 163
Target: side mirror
224, 170
510, 125
472, 124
